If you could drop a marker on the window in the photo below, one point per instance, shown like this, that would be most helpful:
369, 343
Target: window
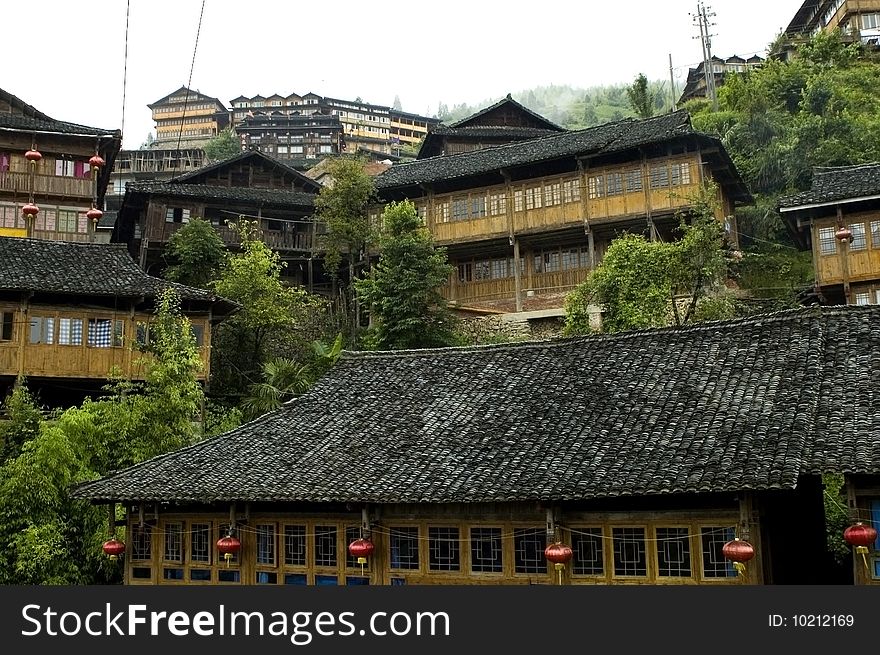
659, 176
173, 542
459, 209
629, 551
497, 204
352, 533
198, 332
571, 191
875, 520
528, 550
859, 239
875, 234
176, 215
118, 333
478, 207
142, 334
42, 329
586, 544
712, 540
552, 194
6, 326
870, 21
70, 331
295, 545
533, 198
518, 200
465, 272
681, 174
827, 241
325, 545
141, 542
444, 549
673, 552
404, 548
482, 270
100, 335
442, 212
615, 184
200, 547
67, 221
595, 186
486, 549
633, 180
266, 544
863, 298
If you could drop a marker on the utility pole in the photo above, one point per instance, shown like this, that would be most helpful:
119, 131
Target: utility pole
702, 20
672, 84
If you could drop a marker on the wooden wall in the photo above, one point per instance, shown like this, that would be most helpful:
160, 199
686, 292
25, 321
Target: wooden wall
862, 264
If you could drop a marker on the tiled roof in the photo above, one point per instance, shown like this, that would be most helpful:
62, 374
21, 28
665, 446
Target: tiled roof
602, 139
252, 156
838, 183
719, 407
82, 269
508, 100
477, 131
33, 120
276, 197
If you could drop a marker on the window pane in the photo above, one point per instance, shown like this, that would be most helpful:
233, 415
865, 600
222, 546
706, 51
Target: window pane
295, 545
659, 176
528, 550
673, 552
352, 533
588, 551
100, 335
141, 542
6, 326
173, 542
633, 181
615, 184
200, 575
859, 240
200, 549
486, 550
325, 545
295, 578
875, 234
266, 544
827, 241
326, 580
863, 298
443, 549
714, 563
629, 551
405, 548
70, 331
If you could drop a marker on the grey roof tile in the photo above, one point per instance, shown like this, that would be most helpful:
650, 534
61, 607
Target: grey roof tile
837, 183
748, 404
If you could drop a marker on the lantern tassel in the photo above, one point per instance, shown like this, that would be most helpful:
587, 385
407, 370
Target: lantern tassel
740, 568
863, 551
559, 569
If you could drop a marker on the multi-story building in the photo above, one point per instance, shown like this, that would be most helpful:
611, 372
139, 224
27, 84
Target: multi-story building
504, 122
838, 219
71, 312
187, 119
150, 165
859, 18
695, 86
251, 185
52, 174
303, 139
524, 222
376, 128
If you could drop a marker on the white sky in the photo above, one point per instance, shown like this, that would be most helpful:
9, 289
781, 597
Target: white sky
66, 58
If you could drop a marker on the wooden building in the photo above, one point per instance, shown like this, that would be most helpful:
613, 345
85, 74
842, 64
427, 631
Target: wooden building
62, 183
695, 85
187, 119
838, 219
292, 136
71, 312
250, 185
644, 452
150, 165
504, 122
553, 204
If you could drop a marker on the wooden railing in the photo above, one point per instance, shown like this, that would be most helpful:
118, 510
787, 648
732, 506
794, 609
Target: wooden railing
46, 184
536, 283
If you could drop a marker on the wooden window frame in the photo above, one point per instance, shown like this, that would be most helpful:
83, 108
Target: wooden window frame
603, 539
655, 552
470, 546
823, 242
646, 532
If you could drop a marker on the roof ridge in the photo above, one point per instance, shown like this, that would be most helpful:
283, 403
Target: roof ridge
830, 169
781, 315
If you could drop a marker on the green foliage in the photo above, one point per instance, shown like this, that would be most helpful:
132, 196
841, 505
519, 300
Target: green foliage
273, 319
343, 206
643, 284
22, 423
403, 289
195, 254
219, 418
46, 537
836, 517
641, 98
223, 146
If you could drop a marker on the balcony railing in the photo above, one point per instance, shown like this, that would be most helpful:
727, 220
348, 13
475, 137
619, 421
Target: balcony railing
46, 184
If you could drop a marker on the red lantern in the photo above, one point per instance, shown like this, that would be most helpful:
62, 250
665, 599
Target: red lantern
861, 536
739, 552
97, 161
30, 209
114, 548
843, 234
94, 214
33, 156
228, 546
560, 555
361, 549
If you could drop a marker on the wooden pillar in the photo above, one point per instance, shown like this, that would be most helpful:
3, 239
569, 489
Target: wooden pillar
517, 275
24, 321
585, 211
646, 185
844, 258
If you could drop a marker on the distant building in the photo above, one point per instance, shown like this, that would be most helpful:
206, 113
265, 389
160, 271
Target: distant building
62, 182
695, 86
187, 119
291, 136
856, 20
504, 122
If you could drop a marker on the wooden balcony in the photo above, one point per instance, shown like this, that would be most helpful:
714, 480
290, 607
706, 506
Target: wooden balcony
858, 261
280, 240
52, 185
532, 284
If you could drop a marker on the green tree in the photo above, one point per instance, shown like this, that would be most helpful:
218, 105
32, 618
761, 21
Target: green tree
195, 254
403, 289
272, 315
641, 98
223, 146
22, 424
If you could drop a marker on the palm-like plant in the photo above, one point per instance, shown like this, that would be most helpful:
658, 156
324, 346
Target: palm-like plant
284, 379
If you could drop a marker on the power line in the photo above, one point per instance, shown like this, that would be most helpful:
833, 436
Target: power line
125, 68
189, 81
